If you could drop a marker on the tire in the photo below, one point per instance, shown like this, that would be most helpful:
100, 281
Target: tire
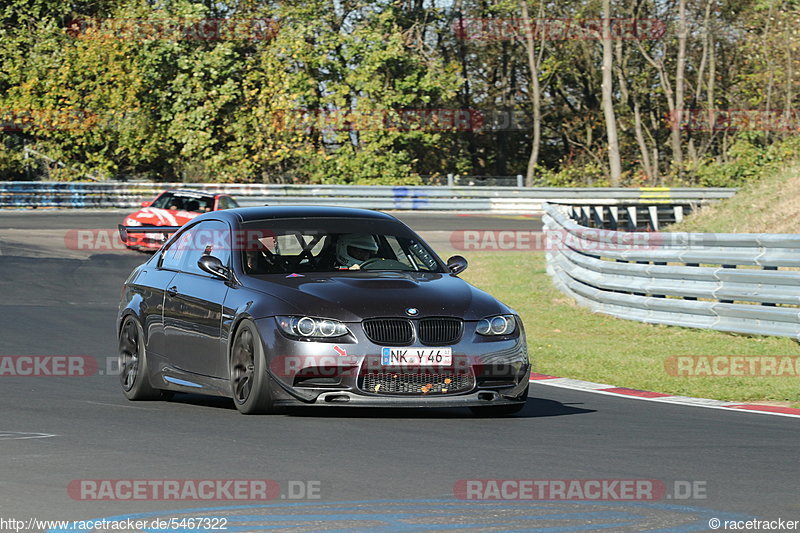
133, 372
251, 386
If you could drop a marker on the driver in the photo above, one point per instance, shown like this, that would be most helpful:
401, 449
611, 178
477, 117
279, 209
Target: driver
354, 248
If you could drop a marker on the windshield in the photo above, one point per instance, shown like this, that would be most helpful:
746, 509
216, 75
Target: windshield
275, 247
184, 202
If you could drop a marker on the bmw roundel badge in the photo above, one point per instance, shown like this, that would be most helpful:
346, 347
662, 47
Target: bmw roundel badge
412, 311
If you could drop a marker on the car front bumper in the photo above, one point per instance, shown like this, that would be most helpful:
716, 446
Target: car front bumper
484, 372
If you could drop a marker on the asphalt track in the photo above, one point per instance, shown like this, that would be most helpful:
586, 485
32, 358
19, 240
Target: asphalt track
376, 470
39, 219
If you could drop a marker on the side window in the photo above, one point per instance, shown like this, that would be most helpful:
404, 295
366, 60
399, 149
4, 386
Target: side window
175, 253
226, 202
210, 237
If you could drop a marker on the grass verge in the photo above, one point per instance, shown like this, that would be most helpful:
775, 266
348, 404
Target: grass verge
568, 340
769, 205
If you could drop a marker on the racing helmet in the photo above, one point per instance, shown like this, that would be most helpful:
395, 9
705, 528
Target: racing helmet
352, 243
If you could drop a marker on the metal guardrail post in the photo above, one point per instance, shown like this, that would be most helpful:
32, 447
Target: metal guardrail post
631, 209
678, 212
652, 212
597, 215
614, 212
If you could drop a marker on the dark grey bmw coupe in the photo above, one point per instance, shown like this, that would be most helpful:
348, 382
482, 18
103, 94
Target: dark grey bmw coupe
313, 306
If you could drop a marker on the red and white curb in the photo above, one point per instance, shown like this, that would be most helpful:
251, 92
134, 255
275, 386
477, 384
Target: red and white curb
635, 394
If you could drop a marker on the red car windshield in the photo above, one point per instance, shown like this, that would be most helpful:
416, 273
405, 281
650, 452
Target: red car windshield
177, 202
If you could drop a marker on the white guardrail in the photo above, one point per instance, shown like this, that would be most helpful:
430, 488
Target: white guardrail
728, 282
431, 198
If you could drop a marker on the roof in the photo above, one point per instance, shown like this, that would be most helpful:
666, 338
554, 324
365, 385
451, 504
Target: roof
246, 214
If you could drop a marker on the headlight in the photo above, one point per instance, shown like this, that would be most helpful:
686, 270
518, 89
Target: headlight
310, 327
497, 325
132, 222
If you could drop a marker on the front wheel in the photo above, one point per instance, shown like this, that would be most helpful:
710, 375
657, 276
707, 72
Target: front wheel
250, 384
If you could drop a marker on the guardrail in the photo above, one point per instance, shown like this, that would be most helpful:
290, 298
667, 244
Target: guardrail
726, 282
435, 198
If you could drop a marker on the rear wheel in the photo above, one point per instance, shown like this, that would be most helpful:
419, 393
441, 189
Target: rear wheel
133, 375
251, 386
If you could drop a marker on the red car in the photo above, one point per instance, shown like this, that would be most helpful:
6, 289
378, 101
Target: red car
172, 208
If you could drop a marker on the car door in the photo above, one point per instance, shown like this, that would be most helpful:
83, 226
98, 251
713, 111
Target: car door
143, 292
193, 304
151, 285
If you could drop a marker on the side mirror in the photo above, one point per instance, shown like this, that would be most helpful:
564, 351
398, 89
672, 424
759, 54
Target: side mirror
457, 264
212, 265
145, 204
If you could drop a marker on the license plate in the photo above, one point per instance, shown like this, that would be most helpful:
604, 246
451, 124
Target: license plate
417, 356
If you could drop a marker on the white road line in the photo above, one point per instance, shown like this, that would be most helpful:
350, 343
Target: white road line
121, 405
18, 435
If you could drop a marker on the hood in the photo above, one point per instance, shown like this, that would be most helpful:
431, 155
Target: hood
354, 296
162, 217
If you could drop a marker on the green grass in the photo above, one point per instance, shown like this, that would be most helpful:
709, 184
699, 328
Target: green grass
568, 340
769, 205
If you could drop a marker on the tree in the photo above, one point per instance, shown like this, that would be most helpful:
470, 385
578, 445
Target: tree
534, 61
608, 99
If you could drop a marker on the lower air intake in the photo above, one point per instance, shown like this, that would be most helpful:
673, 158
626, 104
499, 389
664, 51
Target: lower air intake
420, 383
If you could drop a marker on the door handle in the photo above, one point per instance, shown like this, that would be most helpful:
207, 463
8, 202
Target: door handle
172, 291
